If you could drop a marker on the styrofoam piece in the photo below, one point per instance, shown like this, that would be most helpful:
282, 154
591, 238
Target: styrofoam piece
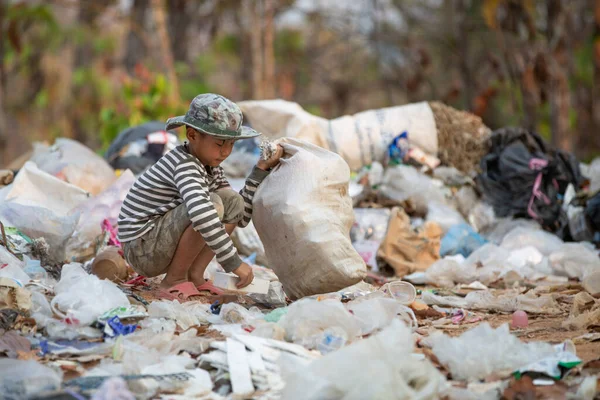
228, 281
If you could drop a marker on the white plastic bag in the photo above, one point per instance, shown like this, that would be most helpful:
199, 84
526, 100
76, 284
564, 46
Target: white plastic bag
303, 215
594, 175
490, 262
74, 162
380, 367
83, 297
106, 205
40, 205
12, 267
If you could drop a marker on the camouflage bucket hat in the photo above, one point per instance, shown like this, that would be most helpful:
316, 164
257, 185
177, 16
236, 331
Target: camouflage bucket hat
214, 115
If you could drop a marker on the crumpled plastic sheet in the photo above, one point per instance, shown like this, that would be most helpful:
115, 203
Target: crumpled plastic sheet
504, 302
483, 350
392, 373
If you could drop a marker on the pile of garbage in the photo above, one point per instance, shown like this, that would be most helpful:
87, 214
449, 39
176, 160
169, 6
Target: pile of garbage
459, 277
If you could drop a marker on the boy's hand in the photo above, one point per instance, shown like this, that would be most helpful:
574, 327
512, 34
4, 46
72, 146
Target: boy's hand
271, 162
246, 275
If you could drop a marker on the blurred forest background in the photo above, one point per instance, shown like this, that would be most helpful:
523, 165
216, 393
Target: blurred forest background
87, 69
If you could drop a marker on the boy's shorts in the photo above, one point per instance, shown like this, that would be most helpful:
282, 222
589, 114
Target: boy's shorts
151, 254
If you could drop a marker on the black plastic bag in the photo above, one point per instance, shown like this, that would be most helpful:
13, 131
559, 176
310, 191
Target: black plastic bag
522, 177
139, 162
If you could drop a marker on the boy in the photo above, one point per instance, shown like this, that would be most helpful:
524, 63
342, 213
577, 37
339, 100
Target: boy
181, 211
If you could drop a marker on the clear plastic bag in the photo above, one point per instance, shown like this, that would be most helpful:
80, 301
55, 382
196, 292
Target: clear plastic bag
402, 183
497, 231
307, 319
482, 216
370, 224
82, 297
248, 242
520, 237
447, 273
466, 200
391, 373
483, 350
185, 315
574, 260
74, 162
511, 301
444, 215
451, 176
23, 379
376, 314
232, 313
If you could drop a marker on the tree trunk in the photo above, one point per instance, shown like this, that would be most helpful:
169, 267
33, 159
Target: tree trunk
246, 52
269, 49
89, 11
3, 124
559, 92
560, 106
256, 46
462, 40
596, 87
530, 94
158, 10
135, 46
179, 20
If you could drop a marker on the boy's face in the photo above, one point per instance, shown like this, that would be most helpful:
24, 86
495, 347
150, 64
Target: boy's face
209, 150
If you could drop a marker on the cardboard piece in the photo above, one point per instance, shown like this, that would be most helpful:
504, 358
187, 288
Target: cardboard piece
407, 250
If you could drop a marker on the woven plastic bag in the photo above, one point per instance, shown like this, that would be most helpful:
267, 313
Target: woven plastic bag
303, 215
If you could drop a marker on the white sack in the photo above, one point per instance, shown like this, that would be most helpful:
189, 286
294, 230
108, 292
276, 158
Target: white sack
360, 139
303, 215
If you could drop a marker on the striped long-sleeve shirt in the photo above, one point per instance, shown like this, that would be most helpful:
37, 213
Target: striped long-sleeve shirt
177, 178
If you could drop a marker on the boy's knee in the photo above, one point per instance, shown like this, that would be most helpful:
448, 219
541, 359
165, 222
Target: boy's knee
218, 204
237, 205
233, 204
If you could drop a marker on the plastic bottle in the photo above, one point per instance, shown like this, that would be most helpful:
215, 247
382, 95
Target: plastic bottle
34, 269
332, 339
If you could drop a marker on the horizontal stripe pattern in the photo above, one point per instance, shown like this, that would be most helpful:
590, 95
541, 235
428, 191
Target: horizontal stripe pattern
178, 177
